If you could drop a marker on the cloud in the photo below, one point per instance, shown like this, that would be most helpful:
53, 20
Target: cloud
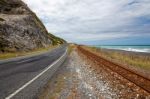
82, 20
89, 36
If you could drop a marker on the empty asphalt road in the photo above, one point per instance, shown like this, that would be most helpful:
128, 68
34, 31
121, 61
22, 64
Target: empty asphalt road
16, 73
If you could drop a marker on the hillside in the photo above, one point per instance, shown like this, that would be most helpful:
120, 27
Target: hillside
21, 29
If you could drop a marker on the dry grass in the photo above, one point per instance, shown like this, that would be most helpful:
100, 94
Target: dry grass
33, 52
58, 87
140, 61
54, 88
71, 46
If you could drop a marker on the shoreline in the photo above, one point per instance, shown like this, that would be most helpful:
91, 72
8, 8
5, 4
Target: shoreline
125, 51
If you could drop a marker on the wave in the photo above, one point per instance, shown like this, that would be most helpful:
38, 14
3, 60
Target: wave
135, 50
145, 49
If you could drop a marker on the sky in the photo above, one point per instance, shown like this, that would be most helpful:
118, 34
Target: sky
96, 22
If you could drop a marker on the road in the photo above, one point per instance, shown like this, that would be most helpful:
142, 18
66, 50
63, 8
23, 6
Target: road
16, 73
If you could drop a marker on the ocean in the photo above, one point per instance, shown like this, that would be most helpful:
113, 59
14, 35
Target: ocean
133, 48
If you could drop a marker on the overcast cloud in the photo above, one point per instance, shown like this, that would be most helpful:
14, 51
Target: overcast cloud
90, 20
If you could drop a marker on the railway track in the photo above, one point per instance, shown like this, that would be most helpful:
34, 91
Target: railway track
128, 74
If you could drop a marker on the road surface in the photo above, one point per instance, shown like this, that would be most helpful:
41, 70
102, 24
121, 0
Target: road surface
16, 73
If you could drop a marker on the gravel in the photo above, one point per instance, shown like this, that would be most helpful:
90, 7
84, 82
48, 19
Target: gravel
79, 78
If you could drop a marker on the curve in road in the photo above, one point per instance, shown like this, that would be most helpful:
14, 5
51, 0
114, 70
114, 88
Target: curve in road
15, 74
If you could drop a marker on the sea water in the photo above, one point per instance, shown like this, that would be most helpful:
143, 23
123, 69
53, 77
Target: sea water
134, 48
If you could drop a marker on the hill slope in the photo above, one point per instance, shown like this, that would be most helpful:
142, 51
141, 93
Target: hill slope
20, 29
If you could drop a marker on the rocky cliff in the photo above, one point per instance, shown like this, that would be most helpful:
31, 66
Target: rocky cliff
20, 29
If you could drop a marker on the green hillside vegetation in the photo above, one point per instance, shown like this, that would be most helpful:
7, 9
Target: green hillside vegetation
56, 40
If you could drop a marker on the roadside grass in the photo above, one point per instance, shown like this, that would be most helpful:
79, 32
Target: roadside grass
59, 84
54, 88
70, 48
8, 55
140, 61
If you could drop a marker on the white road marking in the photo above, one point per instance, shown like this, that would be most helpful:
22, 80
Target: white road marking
28, 83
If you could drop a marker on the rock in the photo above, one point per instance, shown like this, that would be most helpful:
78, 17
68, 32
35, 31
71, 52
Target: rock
20, 28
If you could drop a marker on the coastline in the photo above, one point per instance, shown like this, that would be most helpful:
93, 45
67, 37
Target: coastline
130, 48
126, 52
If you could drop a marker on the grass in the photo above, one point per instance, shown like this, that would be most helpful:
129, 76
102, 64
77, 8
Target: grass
70, 48
56, 90
53, 89
140, 61
56, 40
33, 52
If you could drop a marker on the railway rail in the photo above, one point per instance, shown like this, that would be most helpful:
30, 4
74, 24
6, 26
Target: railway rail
128, 74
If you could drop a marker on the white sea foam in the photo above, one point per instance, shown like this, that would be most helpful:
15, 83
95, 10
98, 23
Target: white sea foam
145, 49
136, 50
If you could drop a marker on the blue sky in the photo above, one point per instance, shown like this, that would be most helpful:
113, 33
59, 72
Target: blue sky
96, 21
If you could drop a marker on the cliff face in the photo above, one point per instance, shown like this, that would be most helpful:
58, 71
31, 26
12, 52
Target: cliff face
20, 29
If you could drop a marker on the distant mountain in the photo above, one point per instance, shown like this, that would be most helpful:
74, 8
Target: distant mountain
21, 29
